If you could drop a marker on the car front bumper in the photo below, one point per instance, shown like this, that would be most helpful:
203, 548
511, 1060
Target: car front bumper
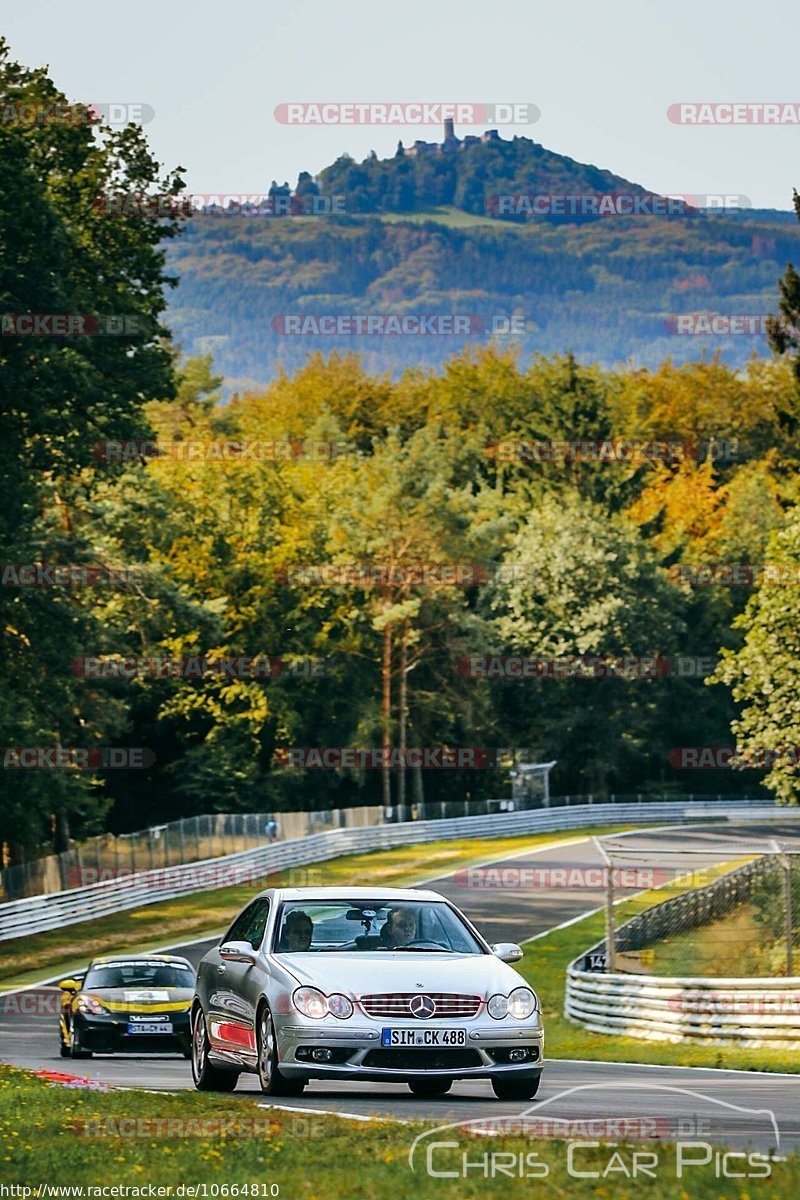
110, 1035
316, 1049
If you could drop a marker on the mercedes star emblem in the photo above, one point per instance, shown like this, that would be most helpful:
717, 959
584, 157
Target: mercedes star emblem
422, 1007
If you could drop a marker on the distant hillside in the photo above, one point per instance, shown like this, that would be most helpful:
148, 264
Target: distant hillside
468, 174
419, 237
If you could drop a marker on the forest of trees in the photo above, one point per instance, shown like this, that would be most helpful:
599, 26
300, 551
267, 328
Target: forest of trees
196, 554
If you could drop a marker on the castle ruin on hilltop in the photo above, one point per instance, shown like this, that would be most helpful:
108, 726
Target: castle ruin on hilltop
450, 145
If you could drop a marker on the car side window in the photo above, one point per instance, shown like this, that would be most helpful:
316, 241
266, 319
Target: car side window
249, 926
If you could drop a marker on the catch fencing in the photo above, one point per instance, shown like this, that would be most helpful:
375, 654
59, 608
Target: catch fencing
692, 908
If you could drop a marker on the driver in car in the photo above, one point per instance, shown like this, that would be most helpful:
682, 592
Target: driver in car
298, 929
400, 928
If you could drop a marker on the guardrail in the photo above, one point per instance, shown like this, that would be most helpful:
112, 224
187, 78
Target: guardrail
745, 1011
21, 918
748, 1012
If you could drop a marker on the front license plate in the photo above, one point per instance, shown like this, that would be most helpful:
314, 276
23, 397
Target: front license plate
150, 1027
434, 1038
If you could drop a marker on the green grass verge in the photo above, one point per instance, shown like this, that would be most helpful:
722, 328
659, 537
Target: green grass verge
545, 966
59, 951
308, 1157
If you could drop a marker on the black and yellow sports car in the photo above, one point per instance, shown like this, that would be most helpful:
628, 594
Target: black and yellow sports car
137, 1004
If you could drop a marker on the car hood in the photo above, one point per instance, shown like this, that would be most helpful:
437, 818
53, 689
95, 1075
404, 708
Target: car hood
366, 973
142, 1000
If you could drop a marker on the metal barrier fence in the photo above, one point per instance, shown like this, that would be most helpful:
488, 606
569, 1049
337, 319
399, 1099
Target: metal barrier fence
21, 918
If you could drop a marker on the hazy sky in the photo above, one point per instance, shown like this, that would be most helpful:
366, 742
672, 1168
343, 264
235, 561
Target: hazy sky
602, 75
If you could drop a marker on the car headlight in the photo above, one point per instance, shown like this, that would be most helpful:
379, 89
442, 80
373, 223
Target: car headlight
498, 1007
340, 1006
521, 1003
311, 1002
90, 1004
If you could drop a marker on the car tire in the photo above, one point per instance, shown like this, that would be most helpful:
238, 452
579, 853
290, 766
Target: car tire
64, 1049
515, 1089
273, 1083
207, 1078
428, 1089
75, 1049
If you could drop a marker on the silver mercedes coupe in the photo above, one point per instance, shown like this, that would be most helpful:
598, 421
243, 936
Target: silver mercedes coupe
377, 984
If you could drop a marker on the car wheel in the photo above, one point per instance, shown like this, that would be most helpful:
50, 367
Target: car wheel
273, 1083
428, 1088
515, 1089
64, 1050
207, 1078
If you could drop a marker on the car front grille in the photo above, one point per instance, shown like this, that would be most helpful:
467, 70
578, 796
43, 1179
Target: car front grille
447, 1005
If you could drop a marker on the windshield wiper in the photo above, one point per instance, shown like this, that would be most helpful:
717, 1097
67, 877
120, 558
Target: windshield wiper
422, 949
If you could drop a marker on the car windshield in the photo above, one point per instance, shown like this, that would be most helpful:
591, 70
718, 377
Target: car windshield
415, 926
139, 975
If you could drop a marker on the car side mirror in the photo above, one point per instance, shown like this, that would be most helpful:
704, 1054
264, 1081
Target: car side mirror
69, 985
507, 951
241, 952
